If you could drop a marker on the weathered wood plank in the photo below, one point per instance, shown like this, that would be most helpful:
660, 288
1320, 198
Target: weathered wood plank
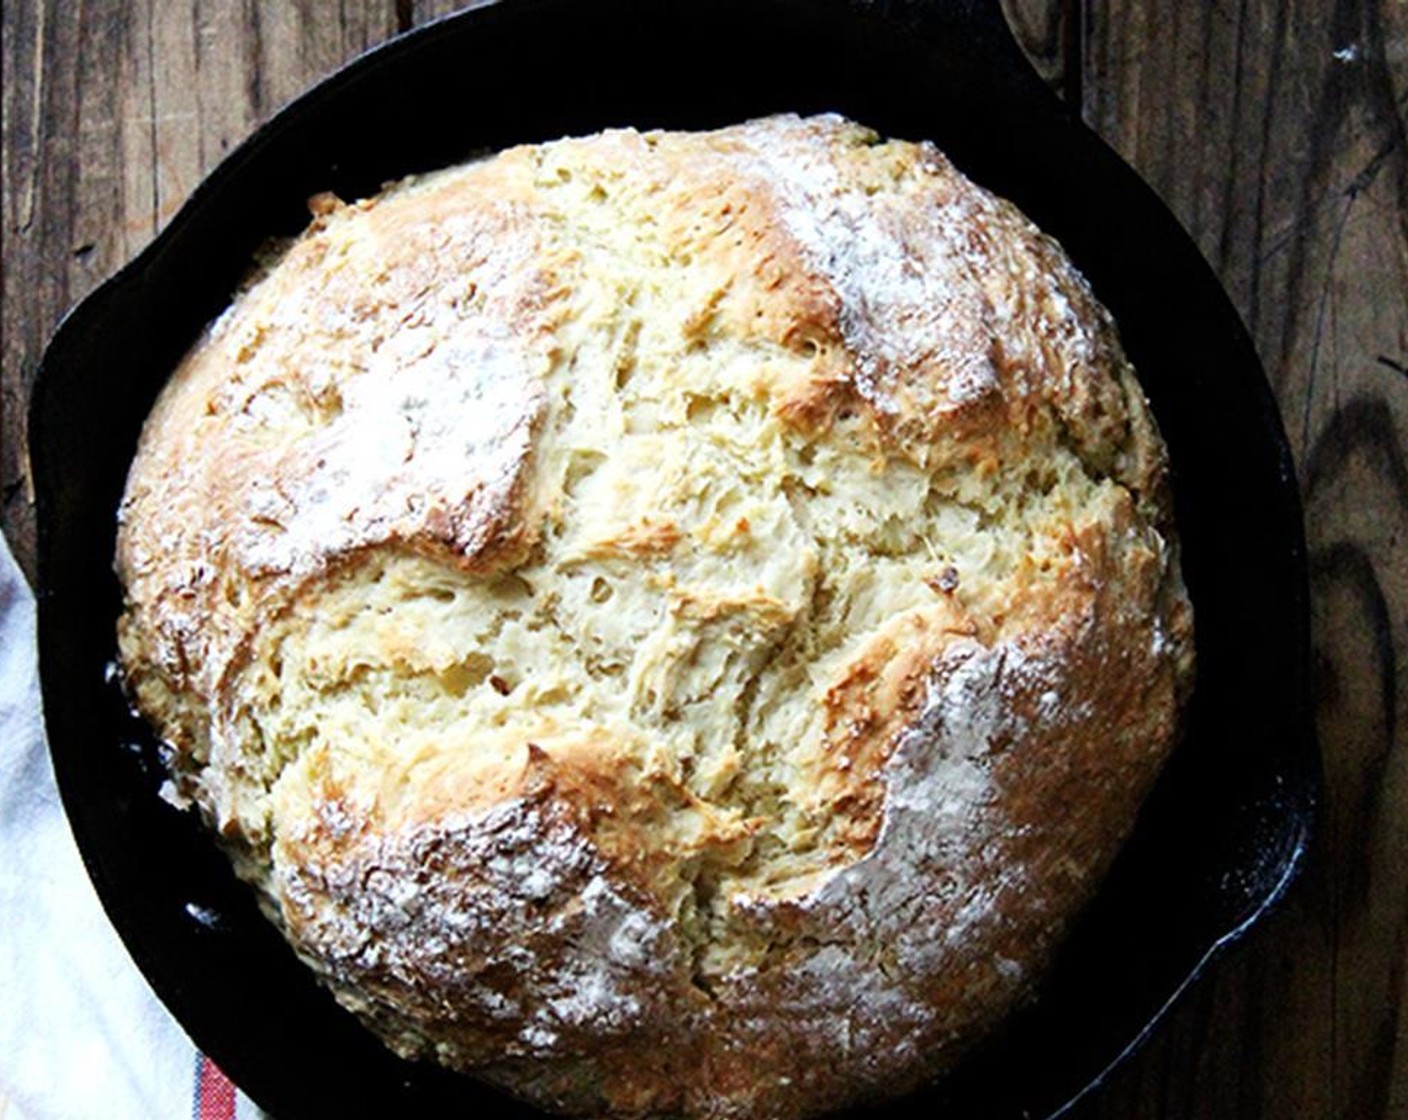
41, 95
1275, 131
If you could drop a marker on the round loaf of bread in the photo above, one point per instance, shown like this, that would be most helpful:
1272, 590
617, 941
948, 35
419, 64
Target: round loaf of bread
672, 623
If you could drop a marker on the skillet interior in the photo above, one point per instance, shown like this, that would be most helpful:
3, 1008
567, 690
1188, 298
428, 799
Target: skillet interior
1228, 823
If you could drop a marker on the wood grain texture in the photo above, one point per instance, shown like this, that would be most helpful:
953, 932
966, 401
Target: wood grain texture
1275, 131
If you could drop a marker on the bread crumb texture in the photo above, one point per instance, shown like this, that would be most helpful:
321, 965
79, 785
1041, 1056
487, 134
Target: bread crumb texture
676, 624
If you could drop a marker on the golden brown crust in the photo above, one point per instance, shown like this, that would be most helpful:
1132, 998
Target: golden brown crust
673, 623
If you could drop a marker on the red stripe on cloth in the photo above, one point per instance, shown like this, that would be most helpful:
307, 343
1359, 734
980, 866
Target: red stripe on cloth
215, 1093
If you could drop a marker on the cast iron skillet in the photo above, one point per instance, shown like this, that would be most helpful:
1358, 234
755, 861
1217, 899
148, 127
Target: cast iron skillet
1228, 824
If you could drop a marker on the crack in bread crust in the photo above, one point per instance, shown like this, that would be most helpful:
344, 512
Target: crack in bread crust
674, 623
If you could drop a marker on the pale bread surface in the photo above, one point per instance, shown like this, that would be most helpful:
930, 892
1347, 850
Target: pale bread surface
673, 623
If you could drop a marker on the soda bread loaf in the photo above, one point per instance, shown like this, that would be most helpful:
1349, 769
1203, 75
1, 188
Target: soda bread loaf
676, 624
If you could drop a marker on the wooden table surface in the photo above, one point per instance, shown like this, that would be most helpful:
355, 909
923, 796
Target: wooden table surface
1275, 129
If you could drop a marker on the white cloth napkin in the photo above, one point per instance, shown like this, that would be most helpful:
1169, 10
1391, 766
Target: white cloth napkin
81, 1034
